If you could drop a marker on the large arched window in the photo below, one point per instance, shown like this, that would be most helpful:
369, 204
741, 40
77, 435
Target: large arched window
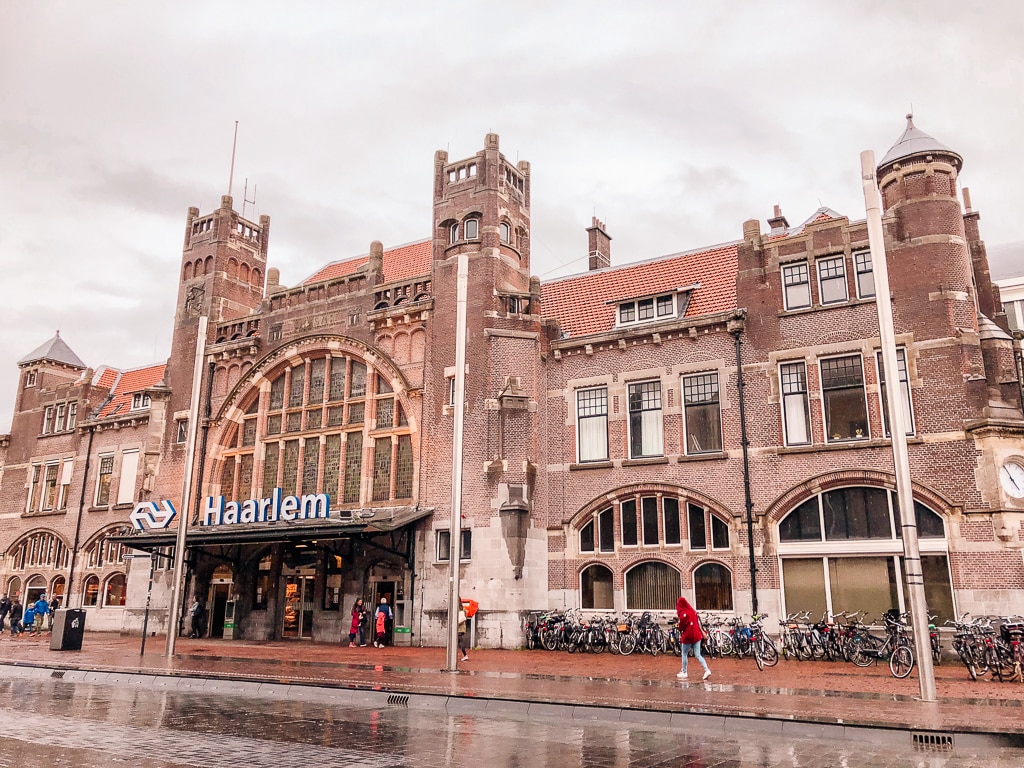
41, 549
91, 591
327, 422
656, 521
712, 588
596, 588
103, 552
114, 593
841, 551
652, 586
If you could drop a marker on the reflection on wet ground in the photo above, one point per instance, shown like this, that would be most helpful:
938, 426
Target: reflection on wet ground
56, 723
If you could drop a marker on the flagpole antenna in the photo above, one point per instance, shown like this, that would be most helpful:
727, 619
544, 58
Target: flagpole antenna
234, 145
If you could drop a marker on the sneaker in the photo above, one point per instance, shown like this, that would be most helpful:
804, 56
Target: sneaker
465, 658
351, 645
681, 675
362, 645
707, 674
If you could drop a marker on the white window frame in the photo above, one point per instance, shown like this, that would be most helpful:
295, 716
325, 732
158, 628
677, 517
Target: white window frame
628, 312
642, 522
908, 402
636, 523
652, 422
505, 232
453, 233
592, 421
72, 419
824, 409
48, 413
140, 401
67, 472
30, 379
861, 259
471, 229
827, 263
443, 554
785, 270
181, 431
686, 406
45, 504
99, 476
784, 400
128, 475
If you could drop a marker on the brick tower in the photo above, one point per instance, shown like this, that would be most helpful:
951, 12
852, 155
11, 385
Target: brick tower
482, 209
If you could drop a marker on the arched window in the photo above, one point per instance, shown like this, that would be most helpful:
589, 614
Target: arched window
841, 551
57, 587
41, 549
712, 588
114, 594
505, 231
652, 586
91, 591
13, 587
453, 232
472, 228
102, 552
596, 588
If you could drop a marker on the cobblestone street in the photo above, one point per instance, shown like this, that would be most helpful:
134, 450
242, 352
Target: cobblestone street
55, 723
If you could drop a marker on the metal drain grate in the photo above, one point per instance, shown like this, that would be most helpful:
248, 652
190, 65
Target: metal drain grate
397, 700
57, 674
932, 741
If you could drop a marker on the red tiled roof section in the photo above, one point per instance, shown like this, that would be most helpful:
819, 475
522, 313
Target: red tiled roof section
400, 263
131, 382
579, 302
106, 377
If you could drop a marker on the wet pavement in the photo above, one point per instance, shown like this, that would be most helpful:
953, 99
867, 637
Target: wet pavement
836, 697
56, 723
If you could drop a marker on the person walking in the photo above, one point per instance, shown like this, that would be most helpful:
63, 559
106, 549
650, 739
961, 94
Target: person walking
17, 611
198, 614
358, 624
5, 608
380, 620
463, 619
690, 635
54, 606
41, 608
28, 620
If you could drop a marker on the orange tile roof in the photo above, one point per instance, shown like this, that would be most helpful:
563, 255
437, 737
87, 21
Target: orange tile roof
401, 263
105, 377
579, 302
128, 383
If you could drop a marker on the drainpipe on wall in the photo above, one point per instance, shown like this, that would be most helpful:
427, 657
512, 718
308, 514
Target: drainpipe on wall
69, 594
735, 327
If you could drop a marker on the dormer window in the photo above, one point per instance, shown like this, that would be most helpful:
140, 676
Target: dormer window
648, 309
472, 229
140, 401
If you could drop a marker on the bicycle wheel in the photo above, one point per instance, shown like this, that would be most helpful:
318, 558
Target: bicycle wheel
627, 644
550, 640
653, 643
531, 639
767, 652
598, 642
901, 662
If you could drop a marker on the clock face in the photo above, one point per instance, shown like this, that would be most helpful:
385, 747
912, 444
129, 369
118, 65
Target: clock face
1011, 475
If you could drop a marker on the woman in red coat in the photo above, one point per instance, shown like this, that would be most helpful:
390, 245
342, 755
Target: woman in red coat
690, 636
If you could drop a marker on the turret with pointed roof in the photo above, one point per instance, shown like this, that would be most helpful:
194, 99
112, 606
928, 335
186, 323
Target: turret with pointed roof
55, 350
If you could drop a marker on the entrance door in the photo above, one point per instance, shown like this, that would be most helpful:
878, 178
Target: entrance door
384, 589
298, 607
220, 599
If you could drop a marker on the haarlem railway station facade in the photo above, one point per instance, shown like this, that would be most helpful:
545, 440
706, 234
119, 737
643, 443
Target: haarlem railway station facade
604, 421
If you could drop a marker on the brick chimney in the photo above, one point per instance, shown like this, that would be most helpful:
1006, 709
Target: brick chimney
599, 245
778, 222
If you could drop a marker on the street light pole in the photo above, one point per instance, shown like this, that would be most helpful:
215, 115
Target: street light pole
458, 427
898, 430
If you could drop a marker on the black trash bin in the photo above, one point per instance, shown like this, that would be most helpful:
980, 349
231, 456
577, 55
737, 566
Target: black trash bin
68, 628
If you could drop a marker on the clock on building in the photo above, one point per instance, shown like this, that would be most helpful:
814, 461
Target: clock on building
1011, 475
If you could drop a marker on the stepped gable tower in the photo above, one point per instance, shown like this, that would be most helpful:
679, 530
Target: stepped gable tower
223, 271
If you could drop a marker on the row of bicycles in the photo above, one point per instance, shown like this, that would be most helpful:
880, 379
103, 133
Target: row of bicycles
986, 645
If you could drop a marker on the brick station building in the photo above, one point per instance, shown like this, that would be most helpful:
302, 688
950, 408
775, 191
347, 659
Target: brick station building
604, 461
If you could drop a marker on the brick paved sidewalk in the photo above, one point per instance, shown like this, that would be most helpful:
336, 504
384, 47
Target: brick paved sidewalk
816, 692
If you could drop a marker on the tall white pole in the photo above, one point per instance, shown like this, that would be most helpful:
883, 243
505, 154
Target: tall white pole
186, 488
898, 428
455, 525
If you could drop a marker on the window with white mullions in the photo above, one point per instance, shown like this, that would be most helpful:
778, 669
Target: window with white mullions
649, 512
865, 274
645, 309
702, 413
832, 280
592, 417
908, 411
842, 386
796, 285
645, 422
796, 415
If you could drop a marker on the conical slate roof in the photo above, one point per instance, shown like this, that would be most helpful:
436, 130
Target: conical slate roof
55, 350
914, 141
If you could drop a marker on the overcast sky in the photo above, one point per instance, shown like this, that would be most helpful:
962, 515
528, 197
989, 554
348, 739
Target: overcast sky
673, 122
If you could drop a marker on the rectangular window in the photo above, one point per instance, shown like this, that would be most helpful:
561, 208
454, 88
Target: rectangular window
832, 280
65, 483
337, 391
627, 313
277, 394
592, 415
332, 462
33, 496
908, 411
450, 382
227, 480
181, 431
126, 483
403, 468
665, 306
865, 274
58, 425
796, 285
270, 468
606, 530
72, 415
645, 422
472, 227
48, 420
670, 508
649, 507
316, 380
444, 548
702, 413
645, 309
353, 467
796, 414
50, 486
386, 413
245, 467
290, 466
381, 469
140, 401
298, 385
695, 524
627, 512
310, 464
842, 387
106, 469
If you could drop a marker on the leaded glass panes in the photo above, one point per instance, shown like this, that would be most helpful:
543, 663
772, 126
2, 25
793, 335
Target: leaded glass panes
337, 379
332, 465
385, 413
336, 416
353, 467
277, 393
227, 478
314, 417
297, 386
358, 385
245, 476
404, 468
249, 432
293, 422
274, 424
316, 380
355, 413
270, 469
381, 468
310, 465
290, 466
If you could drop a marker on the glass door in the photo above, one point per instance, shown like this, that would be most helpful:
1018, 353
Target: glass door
298, 607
